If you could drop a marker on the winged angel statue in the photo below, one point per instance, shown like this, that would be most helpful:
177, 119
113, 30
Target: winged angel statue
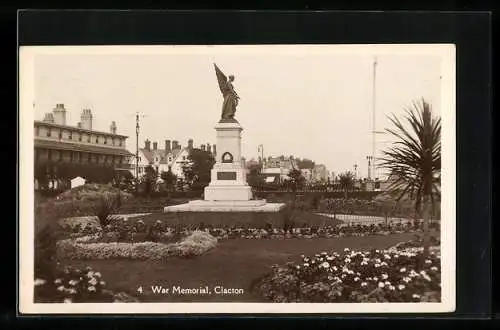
230, 96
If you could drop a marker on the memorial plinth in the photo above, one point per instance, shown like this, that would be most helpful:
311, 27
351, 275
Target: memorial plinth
228, 190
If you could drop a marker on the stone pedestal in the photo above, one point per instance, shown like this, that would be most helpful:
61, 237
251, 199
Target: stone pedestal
228, 177
228, 190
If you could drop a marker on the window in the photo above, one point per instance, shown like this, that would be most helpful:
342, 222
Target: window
71, 156
60, 135
49, 132
113, 141
105, 140
80, 137
70, 135
169, 159
96, 139
89, 158
183, 157
88, 138
156, 159
37, 131
120, 143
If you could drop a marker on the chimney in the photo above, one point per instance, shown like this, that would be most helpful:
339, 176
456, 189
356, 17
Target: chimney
190, 144
175, 145
168, 147
86, 119
49, 118
203, 147
79, 125
155, 145
209, 148
214, 150
59, 114
147, 145
112, 128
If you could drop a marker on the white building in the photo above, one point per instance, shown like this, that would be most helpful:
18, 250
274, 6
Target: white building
172, 157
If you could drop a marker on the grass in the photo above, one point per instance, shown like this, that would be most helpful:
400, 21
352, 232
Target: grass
232, 264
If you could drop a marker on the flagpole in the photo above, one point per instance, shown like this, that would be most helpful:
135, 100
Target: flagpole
374, 116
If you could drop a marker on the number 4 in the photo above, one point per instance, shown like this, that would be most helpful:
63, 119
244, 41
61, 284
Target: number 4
139, 289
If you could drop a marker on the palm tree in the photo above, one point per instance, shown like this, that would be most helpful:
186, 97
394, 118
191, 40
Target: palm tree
346, 182
414, 160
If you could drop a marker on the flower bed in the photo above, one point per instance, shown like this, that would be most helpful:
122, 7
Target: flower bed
73, 285
392, 275
92, 247
138, 231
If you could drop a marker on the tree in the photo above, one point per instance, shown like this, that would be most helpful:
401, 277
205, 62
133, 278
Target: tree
197, 169
169, 179
296, 180
346, 182
254, 177
414, 160
149, 179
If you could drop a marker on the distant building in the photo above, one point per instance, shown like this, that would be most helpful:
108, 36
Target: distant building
278, 165
320, 174
172, 157
56, 143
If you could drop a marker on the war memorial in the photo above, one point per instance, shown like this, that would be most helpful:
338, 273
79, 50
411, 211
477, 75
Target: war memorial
228, 190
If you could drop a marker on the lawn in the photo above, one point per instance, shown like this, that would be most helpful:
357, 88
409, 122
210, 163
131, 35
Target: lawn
232, 264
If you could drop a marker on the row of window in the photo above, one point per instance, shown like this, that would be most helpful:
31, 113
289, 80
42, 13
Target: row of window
81, 137
75, 156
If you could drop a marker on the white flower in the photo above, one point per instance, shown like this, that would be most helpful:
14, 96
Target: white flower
346, 250
298, 266
385, 276
402, 270
39, 281
57, 281
97, 274
356, 279
368, 278
401, 287
427, 277
381, 285
428, 261
364, 284
350, 272
387, 283
325, 264
306, 265
60, 288
72, 291
91, 288
90, 274
383, 263
377, 265
93, 281
73, 282
363, 263
67, 301
434, 268
386, 256
416, 296
335, 268
375, 279
347, 260
391, 287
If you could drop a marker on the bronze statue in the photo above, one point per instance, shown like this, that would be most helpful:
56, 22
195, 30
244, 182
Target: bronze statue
230, 96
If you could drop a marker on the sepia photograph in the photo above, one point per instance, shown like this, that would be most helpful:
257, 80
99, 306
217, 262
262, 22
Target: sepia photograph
237, 179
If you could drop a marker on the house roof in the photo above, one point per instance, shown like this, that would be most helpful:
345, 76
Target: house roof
79, 129
152, 153
59, 145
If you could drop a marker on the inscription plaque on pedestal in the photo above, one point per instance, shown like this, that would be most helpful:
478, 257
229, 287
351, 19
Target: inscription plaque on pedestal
226, 176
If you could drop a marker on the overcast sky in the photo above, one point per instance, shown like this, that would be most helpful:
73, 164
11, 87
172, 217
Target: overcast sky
315, 105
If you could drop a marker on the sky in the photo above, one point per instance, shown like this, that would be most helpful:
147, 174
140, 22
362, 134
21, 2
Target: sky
294, 101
